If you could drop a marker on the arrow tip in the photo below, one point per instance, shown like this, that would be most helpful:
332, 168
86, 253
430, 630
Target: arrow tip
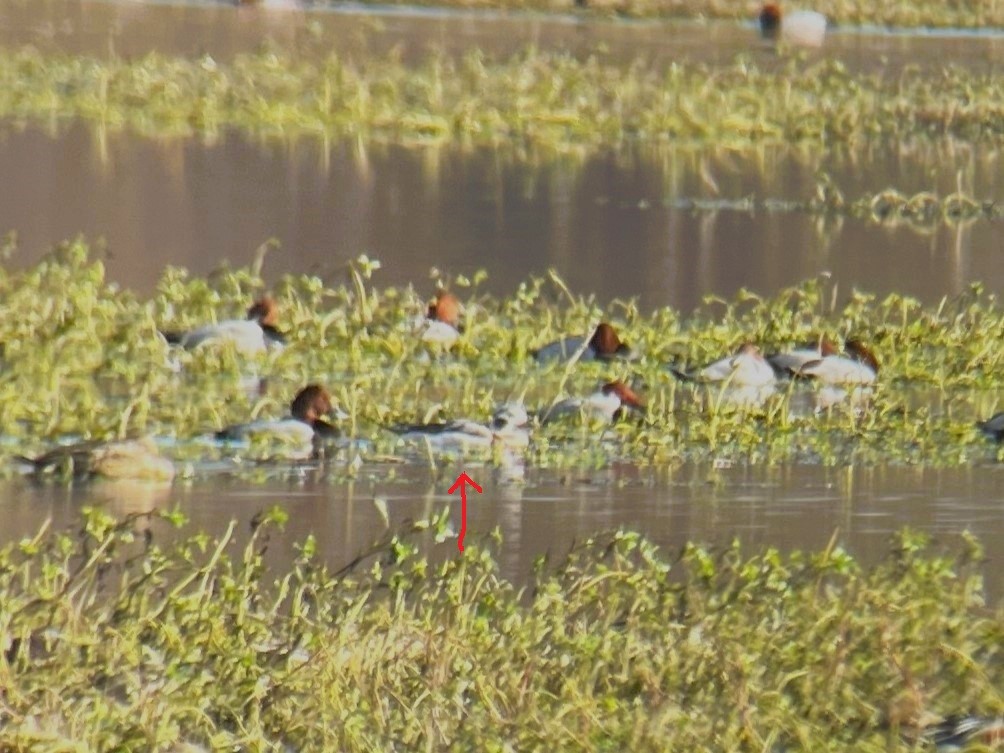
462, 480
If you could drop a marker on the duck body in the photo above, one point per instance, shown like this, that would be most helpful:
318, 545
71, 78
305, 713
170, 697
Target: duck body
441, 325
607, 404
507, 428
790, 363
305, 426
804, 28
746, 368
132, 459
256, 334
604, 344
858, 367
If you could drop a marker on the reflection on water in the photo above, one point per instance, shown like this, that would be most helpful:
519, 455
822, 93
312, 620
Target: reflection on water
791, 507
612, 225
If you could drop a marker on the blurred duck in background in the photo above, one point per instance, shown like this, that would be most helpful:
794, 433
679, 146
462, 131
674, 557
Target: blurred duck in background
609, 403
603, 345
508, 428
441, 325
257, 333
803, 28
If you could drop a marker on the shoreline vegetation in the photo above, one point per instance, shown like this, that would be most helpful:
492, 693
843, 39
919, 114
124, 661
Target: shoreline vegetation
92, 358
532, 101
907, 14
130, 635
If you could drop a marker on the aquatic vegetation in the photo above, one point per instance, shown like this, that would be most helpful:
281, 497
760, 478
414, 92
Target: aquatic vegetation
85, 360
128, 635
534, 101
903, 13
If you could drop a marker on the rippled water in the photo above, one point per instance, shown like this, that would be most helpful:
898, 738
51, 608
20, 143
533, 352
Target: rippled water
612, 225
788, 507
616, 225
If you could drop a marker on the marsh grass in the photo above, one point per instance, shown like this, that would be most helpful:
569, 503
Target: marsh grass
83, 359
124, 635
534, 101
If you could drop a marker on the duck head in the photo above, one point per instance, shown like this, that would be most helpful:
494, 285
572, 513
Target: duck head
446, 308
860, 352
310, 404
265, 311
606, 343
770, 20
628, 397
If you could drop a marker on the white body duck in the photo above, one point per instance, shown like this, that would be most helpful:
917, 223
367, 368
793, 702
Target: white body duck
746, 368
608, 403
304, 428
804, 28
441, 325
256, 334
508, 428
859, 367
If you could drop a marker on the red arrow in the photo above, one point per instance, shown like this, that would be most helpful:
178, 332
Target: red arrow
461, 483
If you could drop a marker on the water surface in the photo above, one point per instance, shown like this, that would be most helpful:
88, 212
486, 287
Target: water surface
792, 507
615, 225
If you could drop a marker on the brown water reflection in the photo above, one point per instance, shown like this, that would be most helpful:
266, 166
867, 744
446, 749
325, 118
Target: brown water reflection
611, 224
793, 507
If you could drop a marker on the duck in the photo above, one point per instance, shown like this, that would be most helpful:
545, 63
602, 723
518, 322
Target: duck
859, 366
304, 427
128, 459
604, 344
745, 368
508, 429
441, 325
789, 363
610, 402
804, 28
255, 334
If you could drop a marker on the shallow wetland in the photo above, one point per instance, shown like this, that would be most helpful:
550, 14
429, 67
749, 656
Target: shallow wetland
677, 177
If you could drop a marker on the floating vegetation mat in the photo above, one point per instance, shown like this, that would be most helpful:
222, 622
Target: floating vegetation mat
116, 640
534, 101
86, 360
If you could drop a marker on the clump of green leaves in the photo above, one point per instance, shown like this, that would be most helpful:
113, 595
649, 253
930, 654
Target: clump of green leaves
539, 101
127, 635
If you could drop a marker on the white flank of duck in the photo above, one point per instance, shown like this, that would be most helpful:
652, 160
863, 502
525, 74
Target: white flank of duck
304, 428
606, 404
746, 368
858, 367
805, 28
789, 363
441, 325
507, 428
256, 334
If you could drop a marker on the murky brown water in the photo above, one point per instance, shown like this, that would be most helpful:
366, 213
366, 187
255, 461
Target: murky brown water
793, 507
613, 225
